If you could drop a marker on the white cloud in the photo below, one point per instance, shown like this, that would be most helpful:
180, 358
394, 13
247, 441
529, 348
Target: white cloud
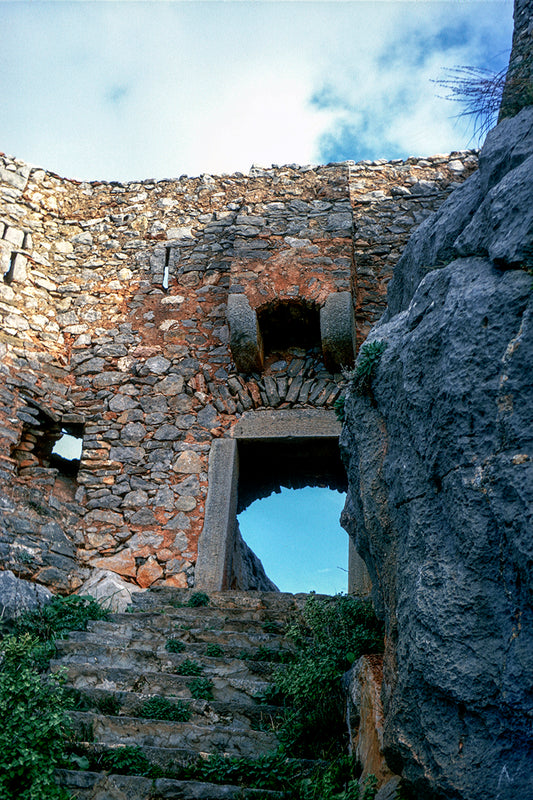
130, 90
383, 92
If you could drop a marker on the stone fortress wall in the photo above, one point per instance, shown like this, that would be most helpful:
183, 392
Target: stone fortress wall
116, 326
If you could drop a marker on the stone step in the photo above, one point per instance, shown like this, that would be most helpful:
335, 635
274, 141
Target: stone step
184, 619
135, 731
238, 641
168, 760
193, 640
228, 690
243, 715
87, 785
121, 662
258, 615
72, 652
271, 602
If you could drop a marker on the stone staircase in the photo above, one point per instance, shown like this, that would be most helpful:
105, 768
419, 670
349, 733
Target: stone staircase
119, 664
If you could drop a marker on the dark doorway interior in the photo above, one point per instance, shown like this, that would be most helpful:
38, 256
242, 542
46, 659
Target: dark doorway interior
265, 466
289, 323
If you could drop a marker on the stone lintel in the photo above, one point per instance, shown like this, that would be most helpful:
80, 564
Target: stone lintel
288, 423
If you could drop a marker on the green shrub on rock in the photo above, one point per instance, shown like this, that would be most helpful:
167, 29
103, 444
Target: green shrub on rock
368, 359
330, 635
61, 615
33, 706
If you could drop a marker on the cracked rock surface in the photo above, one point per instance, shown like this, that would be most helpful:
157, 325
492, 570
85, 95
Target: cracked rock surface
440, 477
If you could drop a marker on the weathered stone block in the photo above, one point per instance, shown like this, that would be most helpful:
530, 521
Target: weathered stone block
245, 338
149, 572
17, 595
122, 563
337, 331
188, 461
109, 590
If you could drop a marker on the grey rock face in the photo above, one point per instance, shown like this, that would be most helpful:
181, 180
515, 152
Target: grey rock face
502, 227
440, 470
507, 146
17, 595
247, 570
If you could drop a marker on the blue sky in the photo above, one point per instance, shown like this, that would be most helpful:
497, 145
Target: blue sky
303, 526
129, 90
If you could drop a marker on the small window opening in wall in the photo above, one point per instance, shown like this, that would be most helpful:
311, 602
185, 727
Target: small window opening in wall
48, 442
66, 453
167, 269
289, 323
291, 493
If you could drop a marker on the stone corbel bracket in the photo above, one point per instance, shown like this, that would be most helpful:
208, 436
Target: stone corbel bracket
337, 331
245, 337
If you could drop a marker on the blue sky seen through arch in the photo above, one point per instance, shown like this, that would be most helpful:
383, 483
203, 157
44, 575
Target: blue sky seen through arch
297, 535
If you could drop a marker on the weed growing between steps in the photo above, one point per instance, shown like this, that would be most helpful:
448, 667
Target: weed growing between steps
272, 627
81, 701
330, 635
33, 707
276, 772
214, 650
174, 645
109, 705
337, 781
196, 600
126, 760
201, 688
270, 772
161, 708
189, 667
263, 653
